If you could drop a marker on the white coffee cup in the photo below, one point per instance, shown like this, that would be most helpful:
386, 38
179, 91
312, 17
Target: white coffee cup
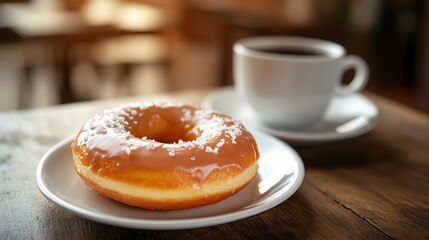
289, 81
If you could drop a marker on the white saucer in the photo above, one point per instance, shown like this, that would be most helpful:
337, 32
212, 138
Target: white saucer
281, 172
346, 117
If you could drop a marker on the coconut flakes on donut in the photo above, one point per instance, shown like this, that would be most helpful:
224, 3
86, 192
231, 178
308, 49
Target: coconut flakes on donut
187, 115
207, 127
220, 143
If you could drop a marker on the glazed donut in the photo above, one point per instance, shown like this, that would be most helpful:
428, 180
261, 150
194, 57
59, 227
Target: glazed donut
165, 156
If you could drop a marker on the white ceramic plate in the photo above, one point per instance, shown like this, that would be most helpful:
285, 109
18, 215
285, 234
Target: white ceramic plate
347, 116
280, 175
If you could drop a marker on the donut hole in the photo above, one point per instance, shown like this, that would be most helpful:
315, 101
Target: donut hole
161, 127
169, 134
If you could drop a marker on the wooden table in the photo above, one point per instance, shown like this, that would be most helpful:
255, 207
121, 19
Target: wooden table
375, 186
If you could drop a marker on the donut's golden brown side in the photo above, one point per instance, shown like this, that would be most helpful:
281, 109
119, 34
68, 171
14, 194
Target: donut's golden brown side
165, 156
166, 199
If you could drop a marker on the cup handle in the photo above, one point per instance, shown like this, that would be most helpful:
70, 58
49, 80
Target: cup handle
361, 75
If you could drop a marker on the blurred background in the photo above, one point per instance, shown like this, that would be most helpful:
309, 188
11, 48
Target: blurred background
62, 51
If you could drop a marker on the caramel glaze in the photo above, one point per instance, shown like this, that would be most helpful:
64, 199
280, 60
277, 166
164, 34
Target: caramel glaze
166, 142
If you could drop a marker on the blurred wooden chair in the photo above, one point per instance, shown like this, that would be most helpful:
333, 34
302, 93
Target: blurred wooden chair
64, 28
151, 34
129, 53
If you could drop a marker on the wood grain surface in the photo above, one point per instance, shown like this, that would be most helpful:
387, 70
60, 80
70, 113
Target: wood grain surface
375, 186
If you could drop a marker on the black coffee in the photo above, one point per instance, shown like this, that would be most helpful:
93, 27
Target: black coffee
293, 51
